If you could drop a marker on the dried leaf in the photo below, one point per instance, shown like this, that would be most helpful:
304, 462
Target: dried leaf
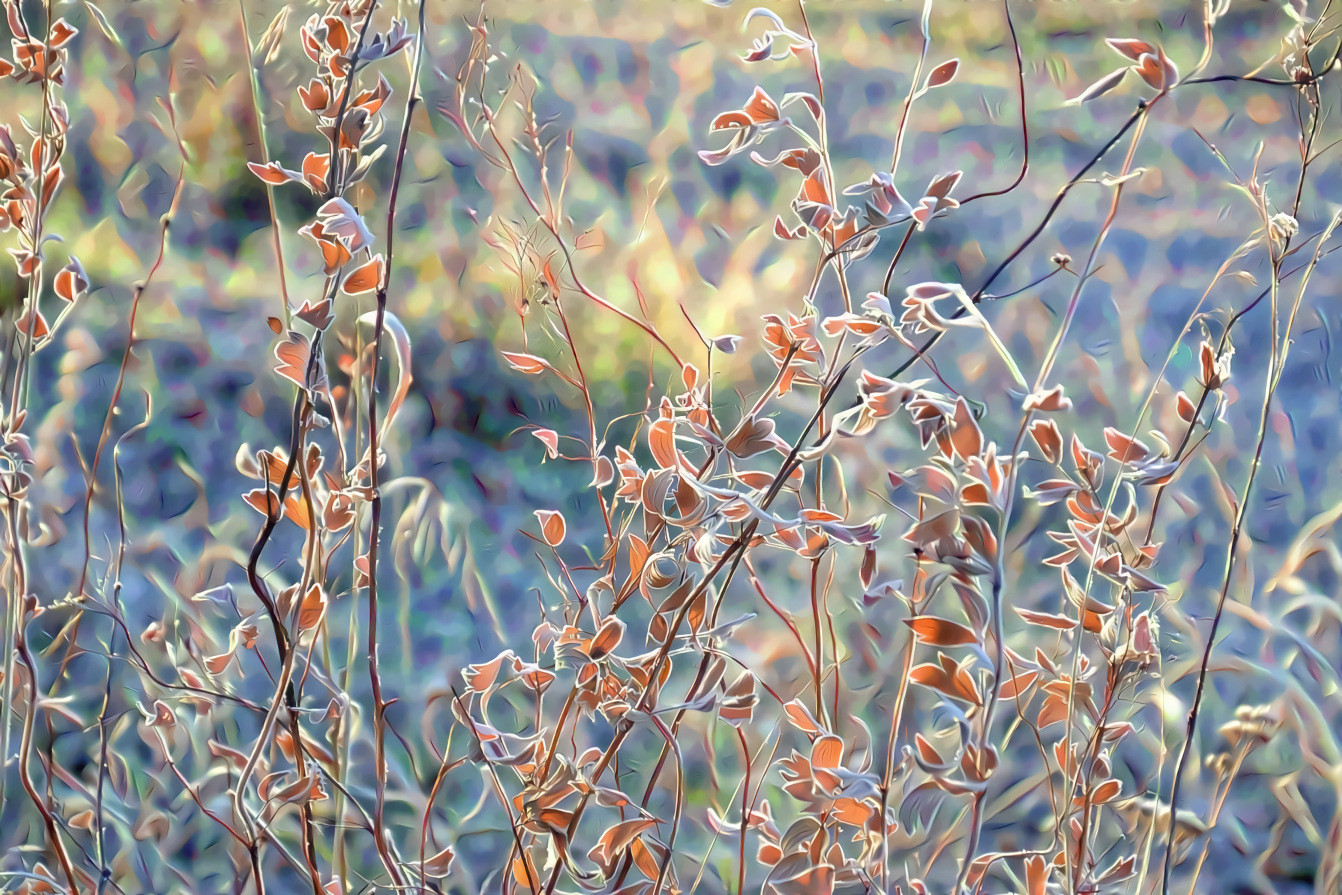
392, 326
39, 330
801, 717
440, 865
293, 354
480, 677
1130, 47
940, 632
966, 437
827, 752
71, 282
550, 439
1046, 619
1185, 407
754, 436
366, 277
926, 750
553, 526
525, 363
313, 608
943, 73
1124, 448
607, 637
1045, 434
272, 173
1106, 792
1099, 88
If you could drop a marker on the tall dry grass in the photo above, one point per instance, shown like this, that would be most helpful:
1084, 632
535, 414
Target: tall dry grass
749, 679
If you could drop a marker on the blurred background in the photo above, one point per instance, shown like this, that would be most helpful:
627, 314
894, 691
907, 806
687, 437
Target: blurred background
158, 91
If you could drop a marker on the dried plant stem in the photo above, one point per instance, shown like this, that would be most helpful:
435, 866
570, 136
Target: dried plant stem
136, 294
998, 571
896, 716
34, 695
730, 559
254, 82
374, 464
1280, 350
16, 504
596, 754
35, 279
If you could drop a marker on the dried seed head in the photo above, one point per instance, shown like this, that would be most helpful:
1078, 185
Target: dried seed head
1283, 227
1252, 725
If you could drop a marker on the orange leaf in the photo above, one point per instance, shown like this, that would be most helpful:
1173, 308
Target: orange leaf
943, 73
482, 676
272, 173
638, 554
550, 279
525, 363
754, 436
550, 439
315, 96
60, 33
966, 438
312, 609
293, 357
643, 859
1123, 448
334, 253
948, 678
662, 443
1106, 791
1036, 875
607, 637
618, 837
1186, 408
1049, 439
552, 526
801, 717
761, 108
525, 874
930, 674
318, 315
315, 169
1207, 362
554, 818
40, 327
440, 865
813, 188
940, 632
1012, 685
263, 500
1151, 71
1046, 619
366, 277
827, 752
71, 281
729, 120
337, 34
925, 749
1130, 47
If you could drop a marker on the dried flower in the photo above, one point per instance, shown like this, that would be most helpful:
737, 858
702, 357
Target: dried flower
1283, 227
